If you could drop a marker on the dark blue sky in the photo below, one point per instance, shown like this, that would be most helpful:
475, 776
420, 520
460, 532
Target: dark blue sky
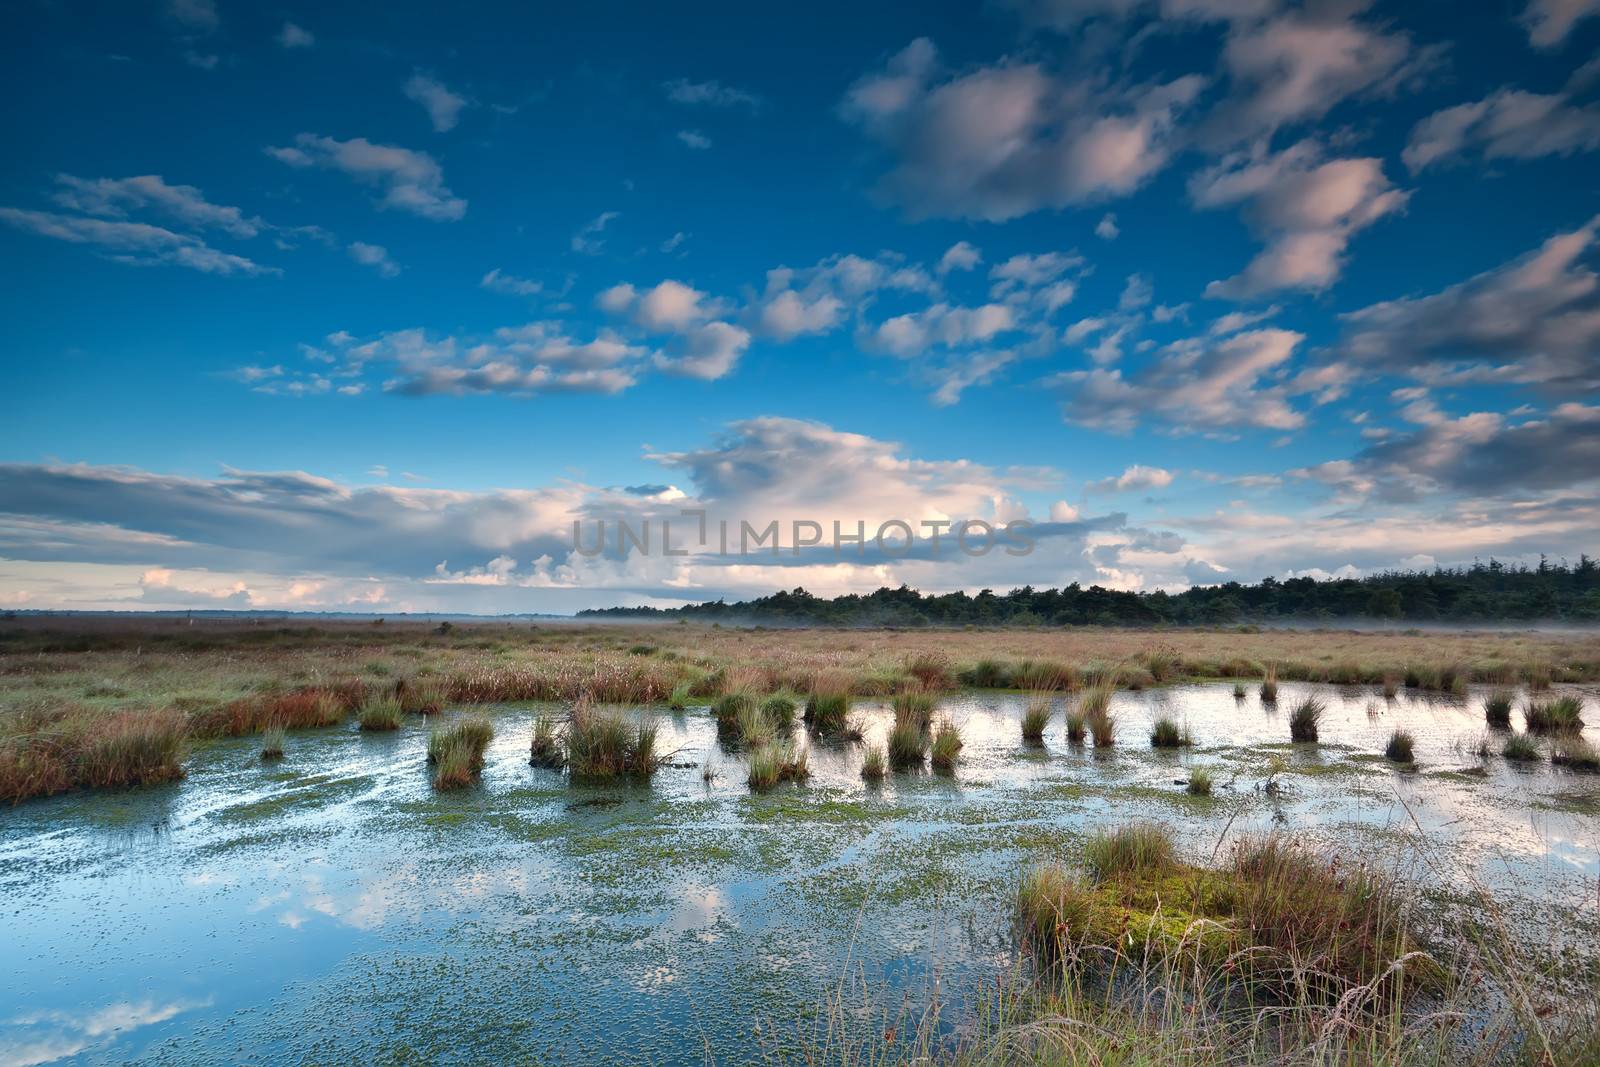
1284, 287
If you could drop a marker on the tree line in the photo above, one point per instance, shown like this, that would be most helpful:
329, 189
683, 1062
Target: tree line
1481, 592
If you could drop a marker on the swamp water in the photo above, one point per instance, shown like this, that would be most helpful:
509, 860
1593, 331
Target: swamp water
332, 907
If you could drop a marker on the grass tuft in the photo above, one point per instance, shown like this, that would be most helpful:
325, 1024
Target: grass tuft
456, 751
1521, 748
1168, 734
603, 744
828, 713
272, 743
875, 764
1138, 847
1563, 715
771, 764
1269, 685
1306, 719
1497, 709
1399, 747
1035, 718
946, 746
381, 713
1572, 751
908, 747
545, 750
1199, 782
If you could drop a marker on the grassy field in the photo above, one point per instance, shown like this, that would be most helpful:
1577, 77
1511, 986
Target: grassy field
109, 701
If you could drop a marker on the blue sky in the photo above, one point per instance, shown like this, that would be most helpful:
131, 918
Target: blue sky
1215, 288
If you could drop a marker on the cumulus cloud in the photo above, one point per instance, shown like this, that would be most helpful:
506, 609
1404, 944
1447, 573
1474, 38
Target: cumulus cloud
694, 139
1106, 229
199, 16
1549, 21
959, 256
1533, 321
133, 243
706, 352
1483, 454
1307, 206
1137, 476
442, 105
374, 256
409, 180
941, 324
1297, 66
1195, 385
1005, 140
1508, 124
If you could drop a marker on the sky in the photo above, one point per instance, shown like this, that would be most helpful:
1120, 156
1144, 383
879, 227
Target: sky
351, 307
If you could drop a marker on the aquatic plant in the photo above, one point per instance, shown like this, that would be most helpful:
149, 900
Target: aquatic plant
1132, 847
1199, 782
908, 746
1163, 664
1521, 748
771, 764
456, 751
913, 708
752, 725
780, 711
1041, 674
603, 744
1399, 747
1168, 734
1269, 685
827, 713
682, 693
1572, 751
1075, 726
947, 746
930, 669
986, 674
1238, 691
875, 764
381, 713
1035, 718
1497, 708
1102, 726
272, 743
421, 696
1306, 718
727, 708
545, 750
1562, 715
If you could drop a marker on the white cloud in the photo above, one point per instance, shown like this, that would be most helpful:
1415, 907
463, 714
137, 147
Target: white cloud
410, 180
959, 256
1549, 21
1508, 124
941, 324
199, 16
1533, 321
711, 93
374, 256
669, 307
1196, 385
590, 239
1307, 206
134, 243
1106, 229
293, 36
442, 105
706, 352
1002, 141
1137, 476
497, 281
116, 197
694, 139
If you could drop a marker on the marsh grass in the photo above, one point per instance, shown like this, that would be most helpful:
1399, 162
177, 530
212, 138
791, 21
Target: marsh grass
1561, 715
775, 763
1573, 752
1521, 748
875, 764
753, 726
1102, 726
272, 743
828, 713
1133, 847
1306, 719
1239, 691
1035, 717
1075, 726
1044, 675
913, 708
1497, 709
908, 746
682, 693
1166, 733
1199, 782
456, 751
603, 744
947, 745
381, 714
545, 750
1399, 748
779, 708
1269, 685
1391, 684
422, 696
